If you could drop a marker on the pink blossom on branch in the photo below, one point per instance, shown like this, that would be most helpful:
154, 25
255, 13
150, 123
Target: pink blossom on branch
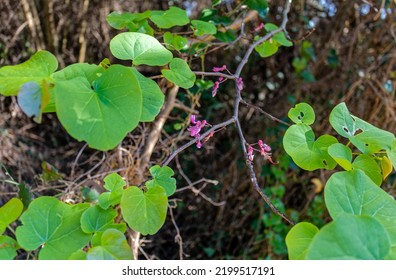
264, 151
195, 130
215, 88
219, 69
239, 82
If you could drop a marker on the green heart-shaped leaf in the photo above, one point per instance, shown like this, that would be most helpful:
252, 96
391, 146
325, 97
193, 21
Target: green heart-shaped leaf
38, 68
302, 113
9, 212
144, 212
299, 142
162, 176
368, 165
103, 114
113, 246
267, 48
96, 219
353, 192
298, 240
169, 18
179, 73
140, 48
53, 225
350, 237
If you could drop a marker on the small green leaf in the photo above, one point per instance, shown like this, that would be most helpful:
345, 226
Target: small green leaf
267, 48
38, 68
78, 255
386, 167
203, 28
299, 64
353, 192
299, 142
113, 246
261, 6
302, 113
179, 73
227, 36
144, 212
368, 165
350, 237
124, 20
278, 37
8, 248
115, 186
174, 41
103, 114
342, 155
298, 240
96, 219
162, 176
366, 137
153, 97
9, 212
53, 225
140, 48
169, 18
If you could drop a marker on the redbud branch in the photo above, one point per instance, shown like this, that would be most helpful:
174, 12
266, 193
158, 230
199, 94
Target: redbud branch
193, 141
217, 74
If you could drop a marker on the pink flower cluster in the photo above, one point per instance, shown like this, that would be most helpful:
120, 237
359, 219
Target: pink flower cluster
196, 129
220, 80
264, 150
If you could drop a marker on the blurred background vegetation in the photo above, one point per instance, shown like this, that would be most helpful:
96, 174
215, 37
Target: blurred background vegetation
343, 51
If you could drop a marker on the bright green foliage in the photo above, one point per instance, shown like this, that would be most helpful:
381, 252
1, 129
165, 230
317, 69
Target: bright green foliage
153, 98
140, 48
179, 73
342, 155
350, 237
162, 176
144, 211
299, 238
101, 114
299, 142
113, 246
38, 68
9, 212
259, 5
267, 48
366, 137
302, 113
96, 219
169, 18
8, 248
88, 71
280, 37
53, 225
368, 165
175, 42
136, 22
203, 28
115, 185
354, 192
391, 153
